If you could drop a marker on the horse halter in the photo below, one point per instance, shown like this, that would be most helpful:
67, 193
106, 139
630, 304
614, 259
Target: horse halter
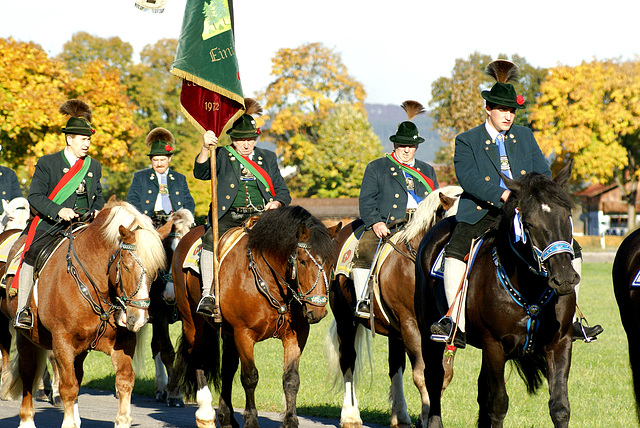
317, 299
123, 299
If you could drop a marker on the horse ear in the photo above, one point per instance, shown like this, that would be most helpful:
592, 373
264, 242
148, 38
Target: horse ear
165, 229
5, 205
512, 185
125, 234
565, 173
303, 233
334, 230
112, 199
446, 201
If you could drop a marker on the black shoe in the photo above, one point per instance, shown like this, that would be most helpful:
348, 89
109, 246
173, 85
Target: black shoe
24, 320
441, 332
362, 309
584, 332
207, 307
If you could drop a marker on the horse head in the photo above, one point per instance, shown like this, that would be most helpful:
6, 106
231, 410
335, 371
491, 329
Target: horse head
538, 213
178, 224
16, 214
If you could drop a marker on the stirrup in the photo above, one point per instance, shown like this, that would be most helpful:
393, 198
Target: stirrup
23, 320
208, 308
363, 308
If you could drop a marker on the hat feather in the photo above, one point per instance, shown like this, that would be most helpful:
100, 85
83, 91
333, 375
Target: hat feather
160, 134
76, 108
502, 70
252, 107
413, 108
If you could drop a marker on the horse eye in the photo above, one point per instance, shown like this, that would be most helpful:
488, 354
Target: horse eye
303, 263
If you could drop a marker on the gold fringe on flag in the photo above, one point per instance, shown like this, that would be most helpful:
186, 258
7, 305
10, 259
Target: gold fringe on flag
155, 6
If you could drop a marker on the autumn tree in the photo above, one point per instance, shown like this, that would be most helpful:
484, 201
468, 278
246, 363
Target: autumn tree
591, 114
84, 47
346, 144
457, 106
310, 81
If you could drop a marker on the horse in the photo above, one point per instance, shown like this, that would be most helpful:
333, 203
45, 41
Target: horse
345, 341
92, 294
626, 286
273, 284
163, 312
520, 300
15, 214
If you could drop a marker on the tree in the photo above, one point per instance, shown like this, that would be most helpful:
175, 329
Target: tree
591, 114
457, 105
84, 47
346, 142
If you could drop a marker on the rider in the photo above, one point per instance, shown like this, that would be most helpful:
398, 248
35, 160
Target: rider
64, 186
158, 191
249, 182
480, 154
392, 187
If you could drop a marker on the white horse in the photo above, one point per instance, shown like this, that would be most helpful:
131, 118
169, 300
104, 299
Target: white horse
15, 215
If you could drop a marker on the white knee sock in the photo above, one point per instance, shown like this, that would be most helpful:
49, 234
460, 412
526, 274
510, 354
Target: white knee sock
454, 270
206, 271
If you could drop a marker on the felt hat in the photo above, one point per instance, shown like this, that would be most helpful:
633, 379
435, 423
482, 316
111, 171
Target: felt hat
503, 93
79, 122
407, 132
161, 142
244, 128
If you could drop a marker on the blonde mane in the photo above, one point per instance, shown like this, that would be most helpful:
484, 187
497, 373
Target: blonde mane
149, 247
182, 221
425, 216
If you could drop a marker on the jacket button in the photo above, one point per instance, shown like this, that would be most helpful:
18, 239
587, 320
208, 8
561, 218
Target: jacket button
177, 193
232, 185
488, 142
487, 178
179, 203
224, 208
511, 136
479, 208
395, 206
145, 211
149, 191
147, 201
397, 196
392, 218
228, 197
523, 172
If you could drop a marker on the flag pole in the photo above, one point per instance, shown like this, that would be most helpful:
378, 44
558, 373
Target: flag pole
214, 225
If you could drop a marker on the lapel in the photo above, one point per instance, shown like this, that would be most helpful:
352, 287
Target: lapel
490, 148
511, 148
397, 174
153, 179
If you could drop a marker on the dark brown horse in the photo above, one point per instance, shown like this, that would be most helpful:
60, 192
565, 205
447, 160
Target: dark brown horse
396, 279
92, 294
163, 311
626, 286
273, 284
520, 300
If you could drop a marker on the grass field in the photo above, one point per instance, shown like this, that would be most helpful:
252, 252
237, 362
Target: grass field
600, 390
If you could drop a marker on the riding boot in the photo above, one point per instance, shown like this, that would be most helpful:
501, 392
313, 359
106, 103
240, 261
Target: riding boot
582, 331
25, 284
360, 278
207, 305
442, 330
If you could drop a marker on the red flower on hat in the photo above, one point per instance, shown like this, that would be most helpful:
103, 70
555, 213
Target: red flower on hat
93, 131
168, 148
258, 131
520, 100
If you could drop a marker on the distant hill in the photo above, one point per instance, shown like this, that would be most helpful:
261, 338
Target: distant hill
385, 120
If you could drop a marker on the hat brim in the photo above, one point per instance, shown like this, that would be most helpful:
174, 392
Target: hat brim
399, 139
77, 131
507, 102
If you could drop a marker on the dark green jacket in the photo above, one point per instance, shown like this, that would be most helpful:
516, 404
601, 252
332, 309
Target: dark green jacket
49, 171
9, 185
144, 189
383, 194
229, 177
477, 163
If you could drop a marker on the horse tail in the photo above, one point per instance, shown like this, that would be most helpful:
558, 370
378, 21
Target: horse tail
143, 340
362, 346
11, 388
188, 360
532, 368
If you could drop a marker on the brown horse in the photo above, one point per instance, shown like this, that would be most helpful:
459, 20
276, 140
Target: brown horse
396, 278
163, 311
92, 294
273, 284
626, 286
520, 300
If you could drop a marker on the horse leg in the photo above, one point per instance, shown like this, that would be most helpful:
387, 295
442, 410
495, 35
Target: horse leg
434, 376
54, 398
492, 393
559, 363
206, 414
5, 345
293, 342
63, 353
28, 362
397, 365
230, 362
248, 377
121, 358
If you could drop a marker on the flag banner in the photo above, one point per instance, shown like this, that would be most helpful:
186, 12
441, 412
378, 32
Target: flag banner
155, 6
211, 95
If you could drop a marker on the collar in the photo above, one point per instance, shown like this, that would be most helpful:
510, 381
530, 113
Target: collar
70, 157
493, 132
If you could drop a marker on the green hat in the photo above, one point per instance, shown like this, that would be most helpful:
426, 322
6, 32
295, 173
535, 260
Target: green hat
79, 122
244, 128
407, 134
161, 142
504, 94
78, 126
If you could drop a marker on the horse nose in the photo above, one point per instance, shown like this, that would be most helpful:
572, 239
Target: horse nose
565, 282
315, 316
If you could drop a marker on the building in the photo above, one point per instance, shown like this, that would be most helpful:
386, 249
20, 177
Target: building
604, 211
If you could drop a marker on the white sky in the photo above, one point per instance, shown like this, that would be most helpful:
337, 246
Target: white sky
395, 48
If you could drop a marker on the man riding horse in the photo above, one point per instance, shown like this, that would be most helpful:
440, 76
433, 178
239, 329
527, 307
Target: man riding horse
481, 154
392, 187
65, 185
249, 182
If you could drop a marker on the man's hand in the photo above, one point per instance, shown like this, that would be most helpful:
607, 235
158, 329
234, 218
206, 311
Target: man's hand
380, 229
505, 195
210, 141
272, 205
67, 214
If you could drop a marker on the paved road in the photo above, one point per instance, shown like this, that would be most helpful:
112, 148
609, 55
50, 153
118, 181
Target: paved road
98, 410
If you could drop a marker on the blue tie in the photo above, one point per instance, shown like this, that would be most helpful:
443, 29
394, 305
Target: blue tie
166, 202
504, 160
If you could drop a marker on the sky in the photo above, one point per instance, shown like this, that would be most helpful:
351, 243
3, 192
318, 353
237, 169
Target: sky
396, 49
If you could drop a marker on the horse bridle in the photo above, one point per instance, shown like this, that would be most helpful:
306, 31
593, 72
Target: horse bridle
123, 299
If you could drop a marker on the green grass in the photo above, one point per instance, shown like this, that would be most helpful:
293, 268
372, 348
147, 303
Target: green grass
600, 390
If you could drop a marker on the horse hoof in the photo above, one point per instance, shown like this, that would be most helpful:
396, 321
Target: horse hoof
175, 402
43, 395
56, 401
161, 396
205, 424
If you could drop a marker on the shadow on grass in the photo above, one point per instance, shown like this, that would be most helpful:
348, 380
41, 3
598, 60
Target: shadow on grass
333, 412
141, 387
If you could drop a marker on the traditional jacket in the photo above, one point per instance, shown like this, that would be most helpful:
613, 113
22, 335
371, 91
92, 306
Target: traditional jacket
48, 173
145, 187
9, 185
477, 165
383, 194
227, 170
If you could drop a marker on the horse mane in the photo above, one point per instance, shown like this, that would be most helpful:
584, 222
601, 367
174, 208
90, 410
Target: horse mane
276, 233
425, 216
182, 221
149, 246
536, 189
